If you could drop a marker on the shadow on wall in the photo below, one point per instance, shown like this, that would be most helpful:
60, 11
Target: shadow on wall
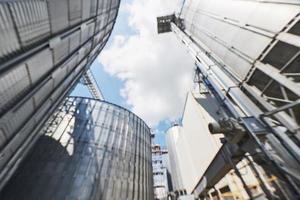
35, 174
60, 165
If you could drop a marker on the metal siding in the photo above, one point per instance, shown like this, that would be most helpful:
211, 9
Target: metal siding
225, 26
91, 29
24, 73
87, 47
86, 7
98, 24
80, 65
113, 14
75, 11
58, 11
13, 83
32, 22
94, 7
59, 74
96, 39
8, 40
41, 95
114, 3
84, 33
72, 63
39, 65
15, 118
74, 40
60, 50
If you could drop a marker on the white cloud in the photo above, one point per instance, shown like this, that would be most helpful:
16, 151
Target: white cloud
156, 69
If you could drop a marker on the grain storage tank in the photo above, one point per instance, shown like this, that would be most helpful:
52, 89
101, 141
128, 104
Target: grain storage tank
46, 45
88, 150
257, 42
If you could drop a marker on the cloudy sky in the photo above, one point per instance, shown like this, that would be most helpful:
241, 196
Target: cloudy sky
148, 73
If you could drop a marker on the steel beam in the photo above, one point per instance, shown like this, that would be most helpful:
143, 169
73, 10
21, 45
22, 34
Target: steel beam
90, 82
242, 107
228, 156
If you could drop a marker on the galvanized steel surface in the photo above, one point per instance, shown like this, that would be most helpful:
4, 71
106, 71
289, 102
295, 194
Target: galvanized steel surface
90, 149
255, 41
45, 48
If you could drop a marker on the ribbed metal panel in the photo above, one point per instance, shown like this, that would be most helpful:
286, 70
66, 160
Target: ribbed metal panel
75, 11
114, 3
32, 22
42, 73
60, 50
58, 11
33, 113
59, 74
86, 7
113, 14
91, 29
39, 65
98, 23
84, 33
74, 40
94, 7
41, 95
90, 150
226, 26
13, 83
8, 40
72, 63
17, 116
258, 43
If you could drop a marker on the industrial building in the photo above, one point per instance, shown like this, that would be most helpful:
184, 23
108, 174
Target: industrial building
89, 149
161, 176
239, 135
46, 47
186, 140
192, 148
245, 114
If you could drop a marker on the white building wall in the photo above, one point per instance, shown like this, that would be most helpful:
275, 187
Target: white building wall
202, 146
172, 137
221, 24
179, 158
192, 147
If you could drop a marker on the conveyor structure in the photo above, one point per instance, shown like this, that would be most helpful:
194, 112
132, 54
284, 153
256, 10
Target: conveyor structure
250, 63
88, 79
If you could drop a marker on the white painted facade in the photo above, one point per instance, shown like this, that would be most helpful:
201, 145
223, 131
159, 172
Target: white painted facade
192, 148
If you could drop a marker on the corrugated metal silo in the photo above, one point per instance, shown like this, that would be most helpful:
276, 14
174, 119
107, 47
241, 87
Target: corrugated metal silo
88, 150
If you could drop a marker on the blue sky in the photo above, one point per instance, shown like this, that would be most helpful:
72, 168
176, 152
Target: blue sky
144, 80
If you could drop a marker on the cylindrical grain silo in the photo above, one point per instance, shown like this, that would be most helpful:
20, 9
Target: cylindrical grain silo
89, 149
45, 47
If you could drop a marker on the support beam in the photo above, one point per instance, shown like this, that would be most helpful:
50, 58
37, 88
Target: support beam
224, 161
89, 80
